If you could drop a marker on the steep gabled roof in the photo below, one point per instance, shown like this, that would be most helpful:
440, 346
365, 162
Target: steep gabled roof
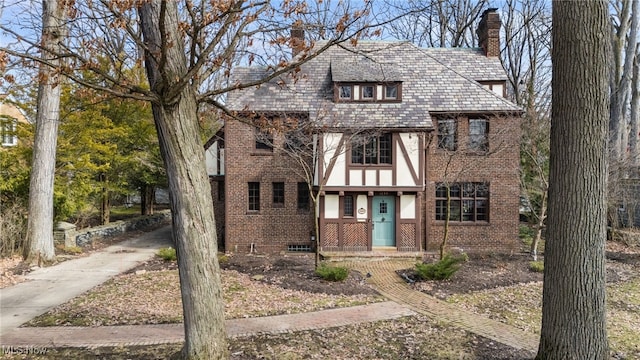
433, 81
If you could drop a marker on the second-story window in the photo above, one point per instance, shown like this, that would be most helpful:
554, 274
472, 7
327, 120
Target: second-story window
447, 129
371, 149
264, 140
478, 131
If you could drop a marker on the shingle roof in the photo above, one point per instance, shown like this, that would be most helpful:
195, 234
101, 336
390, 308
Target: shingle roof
433, 80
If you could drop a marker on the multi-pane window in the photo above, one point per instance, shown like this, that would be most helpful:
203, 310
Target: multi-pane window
303, 196
468, 202
254, 196
348, 205
447, 134
367, 92
345, 92
478, 130
278, 194
371, 149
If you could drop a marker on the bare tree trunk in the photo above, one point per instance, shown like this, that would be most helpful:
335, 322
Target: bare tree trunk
105, 206
147, 198
445, 235
635, 114
539, 226
39, 237
573, 313
175, 115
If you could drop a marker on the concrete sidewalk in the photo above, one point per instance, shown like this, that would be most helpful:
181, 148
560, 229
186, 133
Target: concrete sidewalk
48, 287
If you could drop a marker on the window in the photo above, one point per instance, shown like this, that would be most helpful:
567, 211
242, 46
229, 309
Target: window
8, 132
264, 140
278, 194
447, 134
391, 92
303, 196
348, 205
345, 92
254, 196
371, 149
469, 202
367, 92
478, 129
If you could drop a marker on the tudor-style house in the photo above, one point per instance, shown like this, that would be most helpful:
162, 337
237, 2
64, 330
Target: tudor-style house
404, 136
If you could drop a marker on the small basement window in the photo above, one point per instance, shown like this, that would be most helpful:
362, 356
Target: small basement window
299, 248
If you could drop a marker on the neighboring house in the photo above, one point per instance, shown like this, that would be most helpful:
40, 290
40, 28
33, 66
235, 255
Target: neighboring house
10, 115
403, 134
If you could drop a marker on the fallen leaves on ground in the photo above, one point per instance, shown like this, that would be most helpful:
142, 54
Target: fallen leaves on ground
153, 297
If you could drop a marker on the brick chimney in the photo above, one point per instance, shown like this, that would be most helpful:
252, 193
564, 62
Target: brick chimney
297, 40
489, 32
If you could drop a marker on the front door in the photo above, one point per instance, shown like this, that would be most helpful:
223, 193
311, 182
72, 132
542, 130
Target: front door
383, 218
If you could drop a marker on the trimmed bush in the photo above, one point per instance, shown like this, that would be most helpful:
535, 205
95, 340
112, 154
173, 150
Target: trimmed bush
442, 269
536, 266
332, 273
223, 259
168, 254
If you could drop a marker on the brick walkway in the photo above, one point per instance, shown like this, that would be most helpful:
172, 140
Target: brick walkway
68, 336
388, 283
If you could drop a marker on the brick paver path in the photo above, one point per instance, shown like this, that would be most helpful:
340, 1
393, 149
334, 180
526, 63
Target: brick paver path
385, 279
69, 336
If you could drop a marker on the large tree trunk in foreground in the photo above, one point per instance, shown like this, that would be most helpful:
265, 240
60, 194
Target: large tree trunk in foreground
194, 230
39, 238
573, 312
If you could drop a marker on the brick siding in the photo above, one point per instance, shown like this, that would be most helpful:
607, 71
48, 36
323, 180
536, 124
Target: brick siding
271, 229
499, 167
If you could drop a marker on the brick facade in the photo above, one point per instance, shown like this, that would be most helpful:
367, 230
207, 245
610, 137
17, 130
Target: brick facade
499, 167
271, 229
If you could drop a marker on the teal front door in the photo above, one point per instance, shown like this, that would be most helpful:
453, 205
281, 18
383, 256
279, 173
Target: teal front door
383, 218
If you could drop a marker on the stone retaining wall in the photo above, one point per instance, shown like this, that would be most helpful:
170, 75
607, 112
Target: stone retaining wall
83, 237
